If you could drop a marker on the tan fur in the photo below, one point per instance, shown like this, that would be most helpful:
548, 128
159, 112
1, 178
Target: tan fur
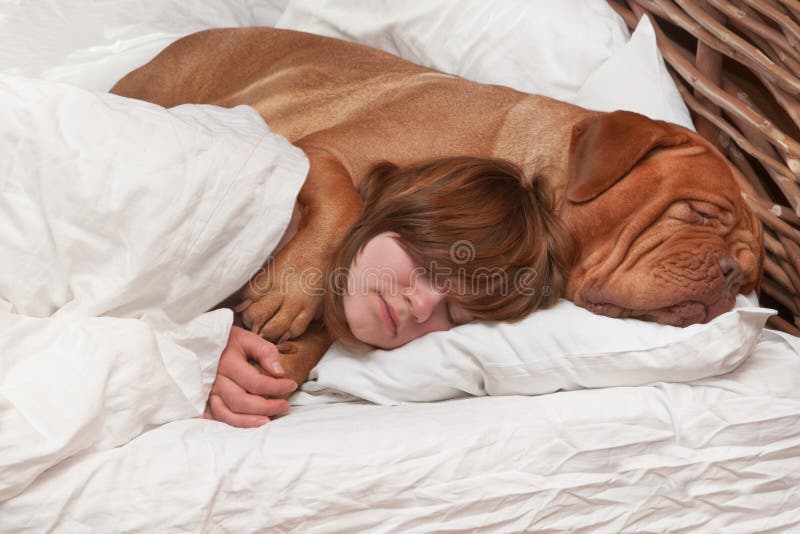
349, 106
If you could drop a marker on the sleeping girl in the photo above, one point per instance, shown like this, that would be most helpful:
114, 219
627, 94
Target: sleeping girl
437, 244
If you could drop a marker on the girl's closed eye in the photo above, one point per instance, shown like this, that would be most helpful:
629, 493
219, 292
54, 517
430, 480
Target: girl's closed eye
449, 314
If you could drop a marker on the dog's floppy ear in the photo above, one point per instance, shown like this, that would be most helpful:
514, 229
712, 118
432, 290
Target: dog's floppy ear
606, 147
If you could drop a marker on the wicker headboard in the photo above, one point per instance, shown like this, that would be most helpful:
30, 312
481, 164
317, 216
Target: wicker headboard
737, 66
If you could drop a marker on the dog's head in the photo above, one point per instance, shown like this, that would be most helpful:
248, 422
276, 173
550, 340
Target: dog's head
662, 229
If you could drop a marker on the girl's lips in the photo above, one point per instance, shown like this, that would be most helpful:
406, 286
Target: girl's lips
393, 315
388, 320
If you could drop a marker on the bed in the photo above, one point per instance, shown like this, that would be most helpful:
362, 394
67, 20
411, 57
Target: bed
565, 422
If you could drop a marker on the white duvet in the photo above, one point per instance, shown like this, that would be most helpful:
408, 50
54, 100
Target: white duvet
719, 455
118, 221
122, 223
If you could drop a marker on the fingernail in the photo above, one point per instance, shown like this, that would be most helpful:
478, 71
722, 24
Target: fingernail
263, 421
277, 367
294, 386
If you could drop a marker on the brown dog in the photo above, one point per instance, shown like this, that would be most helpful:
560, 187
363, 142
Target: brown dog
662, 230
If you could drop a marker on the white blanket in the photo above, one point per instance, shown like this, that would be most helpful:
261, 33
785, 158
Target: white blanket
122, 224
718, 455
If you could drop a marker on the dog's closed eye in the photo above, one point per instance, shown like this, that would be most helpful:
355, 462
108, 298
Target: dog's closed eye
695, 212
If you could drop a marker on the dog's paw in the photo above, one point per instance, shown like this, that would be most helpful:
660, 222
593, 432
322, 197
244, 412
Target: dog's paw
282, 299
300, 356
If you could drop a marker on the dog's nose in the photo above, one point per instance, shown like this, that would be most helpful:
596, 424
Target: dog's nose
732, 273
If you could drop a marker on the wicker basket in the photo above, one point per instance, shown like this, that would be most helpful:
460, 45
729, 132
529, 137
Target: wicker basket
737, 65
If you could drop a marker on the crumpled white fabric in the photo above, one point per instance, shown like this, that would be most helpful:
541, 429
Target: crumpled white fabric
536, 46
721, 454
92, 45
122, 224
648, 87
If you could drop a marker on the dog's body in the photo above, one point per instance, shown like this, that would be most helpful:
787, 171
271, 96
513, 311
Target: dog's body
671, 242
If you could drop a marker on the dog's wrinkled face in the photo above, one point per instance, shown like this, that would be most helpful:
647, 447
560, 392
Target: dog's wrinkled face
663, 232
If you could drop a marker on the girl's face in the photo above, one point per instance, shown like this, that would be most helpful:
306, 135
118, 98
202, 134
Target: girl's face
390, 300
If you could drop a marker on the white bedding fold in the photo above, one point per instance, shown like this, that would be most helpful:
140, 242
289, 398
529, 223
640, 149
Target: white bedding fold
69, 384
717, 455
113, 206
122, 224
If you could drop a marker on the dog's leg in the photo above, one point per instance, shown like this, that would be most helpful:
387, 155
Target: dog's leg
300, 356
284, 297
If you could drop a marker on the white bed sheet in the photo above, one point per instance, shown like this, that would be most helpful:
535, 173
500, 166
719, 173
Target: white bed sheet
721, 454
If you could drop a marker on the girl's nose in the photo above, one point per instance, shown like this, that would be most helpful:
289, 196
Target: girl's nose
422, 300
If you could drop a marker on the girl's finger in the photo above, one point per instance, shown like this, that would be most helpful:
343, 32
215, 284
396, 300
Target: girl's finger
237, 400
222, 413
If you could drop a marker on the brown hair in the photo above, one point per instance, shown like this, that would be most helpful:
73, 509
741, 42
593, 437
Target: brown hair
514, 254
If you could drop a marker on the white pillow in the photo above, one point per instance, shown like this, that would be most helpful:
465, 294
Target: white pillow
537, 46
93, 44
562, 348
636, 79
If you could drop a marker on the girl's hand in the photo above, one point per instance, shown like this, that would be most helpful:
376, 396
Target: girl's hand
238, 394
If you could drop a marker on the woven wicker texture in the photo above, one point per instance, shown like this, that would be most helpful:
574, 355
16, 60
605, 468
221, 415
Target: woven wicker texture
737, 66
